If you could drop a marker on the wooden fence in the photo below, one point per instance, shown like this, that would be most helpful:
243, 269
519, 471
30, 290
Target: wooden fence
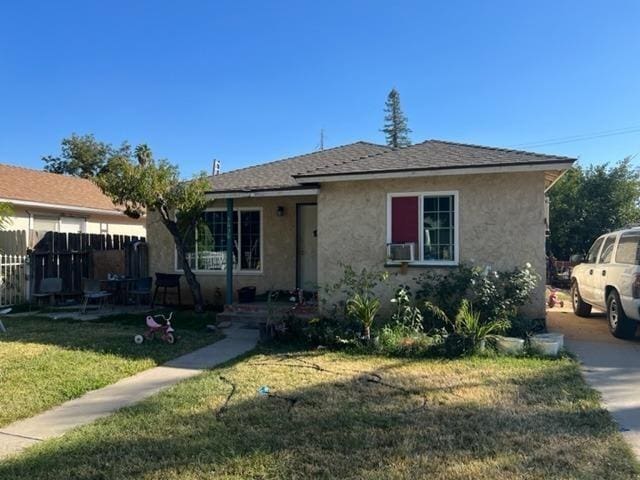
69, 256
13, 242
13, 283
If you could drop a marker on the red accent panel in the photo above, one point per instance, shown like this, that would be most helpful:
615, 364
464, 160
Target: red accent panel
404, 219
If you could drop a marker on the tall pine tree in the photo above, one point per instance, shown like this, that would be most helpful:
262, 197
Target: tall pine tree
395, 128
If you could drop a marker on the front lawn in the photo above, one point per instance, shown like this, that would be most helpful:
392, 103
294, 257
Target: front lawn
44, 362
332, 415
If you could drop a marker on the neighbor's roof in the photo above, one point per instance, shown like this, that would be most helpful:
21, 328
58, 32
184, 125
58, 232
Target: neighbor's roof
369, 158
278, 175
435, 155
20, 184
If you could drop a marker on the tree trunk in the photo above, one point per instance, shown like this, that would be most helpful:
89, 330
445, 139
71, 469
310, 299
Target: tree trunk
367, 332
192, 281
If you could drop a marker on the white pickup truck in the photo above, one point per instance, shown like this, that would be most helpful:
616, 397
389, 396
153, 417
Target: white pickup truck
609, 279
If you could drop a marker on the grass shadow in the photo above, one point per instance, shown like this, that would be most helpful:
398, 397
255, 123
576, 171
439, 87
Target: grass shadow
524, 419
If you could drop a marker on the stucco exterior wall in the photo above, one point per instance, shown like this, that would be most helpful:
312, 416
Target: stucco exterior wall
501, 223
116, 225
278, 249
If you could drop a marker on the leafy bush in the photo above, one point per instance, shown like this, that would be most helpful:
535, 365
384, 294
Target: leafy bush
446, 290
525, 327
495, 295
396, 340
325, 331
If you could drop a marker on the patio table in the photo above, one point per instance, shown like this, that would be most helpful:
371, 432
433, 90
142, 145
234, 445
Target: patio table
119, 287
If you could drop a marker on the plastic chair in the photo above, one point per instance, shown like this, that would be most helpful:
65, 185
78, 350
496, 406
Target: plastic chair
49, 288
141, 288
91, 291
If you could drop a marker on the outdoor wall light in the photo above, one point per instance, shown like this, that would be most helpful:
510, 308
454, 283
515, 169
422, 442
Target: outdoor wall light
280, 211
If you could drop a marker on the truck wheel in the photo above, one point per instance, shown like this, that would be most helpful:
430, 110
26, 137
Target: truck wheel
580, 307
620, 325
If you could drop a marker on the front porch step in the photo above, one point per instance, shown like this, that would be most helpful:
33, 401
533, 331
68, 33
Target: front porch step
242, 319
253, 314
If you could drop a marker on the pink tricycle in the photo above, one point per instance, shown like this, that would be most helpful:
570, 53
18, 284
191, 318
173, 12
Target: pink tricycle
154, 328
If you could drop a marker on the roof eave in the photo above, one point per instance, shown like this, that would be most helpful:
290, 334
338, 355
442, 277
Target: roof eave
560, 165
263, 192
66, 208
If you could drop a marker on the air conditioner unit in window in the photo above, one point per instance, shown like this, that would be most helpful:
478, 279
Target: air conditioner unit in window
401, 252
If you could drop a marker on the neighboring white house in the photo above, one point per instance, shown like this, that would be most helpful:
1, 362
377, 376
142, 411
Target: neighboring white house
45, 201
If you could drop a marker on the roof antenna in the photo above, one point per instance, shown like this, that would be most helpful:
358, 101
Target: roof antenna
321, 144
216, 167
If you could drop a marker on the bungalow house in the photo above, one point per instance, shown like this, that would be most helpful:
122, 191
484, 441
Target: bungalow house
43, 201
431, 205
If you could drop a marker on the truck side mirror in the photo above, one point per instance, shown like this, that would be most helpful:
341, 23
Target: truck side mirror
576, 259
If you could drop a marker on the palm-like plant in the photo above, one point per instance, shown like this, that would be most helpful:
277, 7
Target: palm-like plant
468, 322
364, 308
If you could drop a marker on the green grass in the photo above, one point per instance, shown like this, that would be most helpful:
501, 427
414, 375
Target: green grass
493, 418
44, 362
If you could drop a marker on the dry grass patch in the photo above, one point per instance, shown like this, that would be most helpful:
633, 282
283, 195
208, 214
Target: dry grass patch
338, 416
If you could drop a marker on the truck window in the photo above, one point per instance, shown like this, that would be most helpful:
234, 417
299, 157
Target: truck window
607, 249
593, 251
628, 251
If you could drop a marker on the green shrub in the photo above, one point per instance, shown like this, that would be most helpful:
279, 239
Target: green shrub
325, 331
495, 295
397, 340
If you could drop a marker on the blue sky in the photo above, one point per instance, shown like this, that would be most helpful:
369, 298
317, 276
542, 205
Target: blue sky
247, 82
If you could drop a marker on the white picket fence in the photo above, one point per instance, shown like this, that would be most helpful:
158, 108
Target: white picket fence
13, 279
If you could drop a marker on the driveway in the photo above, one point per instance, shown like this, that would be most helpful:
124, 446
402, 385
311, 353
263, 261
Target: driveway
610, 365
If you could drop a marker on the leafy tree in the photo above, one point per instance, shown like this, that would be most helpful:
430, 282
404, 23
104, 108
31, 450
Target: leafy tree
6, 210
83, 156
585, 203
144, 185
395, 128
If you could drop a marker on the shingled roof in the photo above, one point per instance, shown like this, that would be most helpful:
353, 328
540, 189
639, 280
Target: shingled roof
278, 175
368, 158
18, 184
434, 155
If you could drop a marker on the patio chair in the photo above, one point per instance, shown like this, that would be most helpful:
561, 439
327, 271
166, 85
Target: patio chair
50, 287
91, 291
4, 311
141, 288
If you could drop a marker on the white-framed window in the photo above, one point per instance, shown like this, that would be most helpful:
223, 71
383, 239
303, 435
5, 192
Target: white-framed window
73, 224
206, 248
45, 223
429, 221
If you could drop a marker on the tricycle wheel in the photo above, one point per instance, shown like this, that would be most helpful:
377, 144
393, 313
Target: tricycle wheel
138, 339
170, 339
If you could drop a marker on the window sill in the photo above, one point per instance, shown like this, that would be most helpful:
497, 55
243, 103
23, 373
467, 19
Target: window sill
223, 272
423, 264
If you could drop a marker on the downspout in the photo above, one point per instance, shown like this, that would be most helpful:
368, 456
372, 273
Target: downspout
229, 299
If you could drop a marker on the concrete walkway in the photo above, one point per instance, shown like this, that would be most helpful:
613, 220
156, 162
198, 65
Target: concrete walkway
610, 365
100, 403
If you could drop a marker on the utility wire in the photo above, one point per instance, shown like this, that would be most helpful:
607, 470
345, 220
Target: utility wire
579, 138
